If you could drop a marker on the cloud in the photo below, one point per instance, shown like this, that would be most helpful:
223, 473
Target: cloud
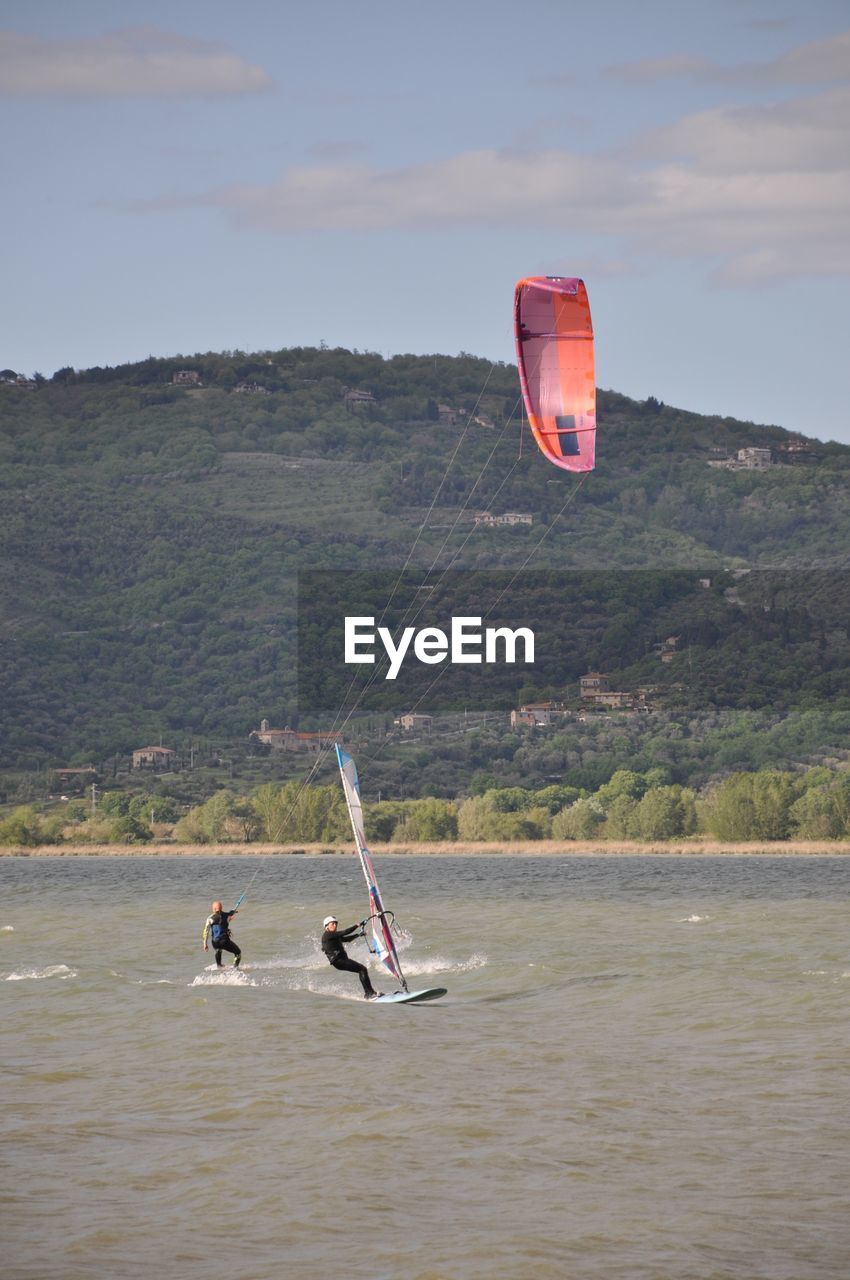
669, 66
754, 193
821, 62
137, 61
764, 24
474, 189
803, 136
340, 151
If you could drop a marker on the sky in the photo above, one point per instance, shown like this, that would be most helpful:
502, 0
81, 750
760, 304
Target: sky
194, 175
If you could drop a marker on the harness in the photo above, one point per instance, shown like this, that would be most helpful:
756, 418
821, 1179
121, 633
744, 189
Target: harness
220, 931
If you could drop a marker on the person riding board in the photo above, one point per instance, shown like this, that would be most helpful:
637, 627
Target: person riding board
218, 927
332, 945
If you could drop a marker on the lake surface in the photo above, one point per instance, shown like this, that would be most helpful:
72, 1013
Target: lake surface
640, 1072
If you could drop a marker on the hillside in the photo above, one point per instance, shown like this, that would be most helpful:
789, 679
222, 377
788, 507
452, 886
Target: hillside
153, 531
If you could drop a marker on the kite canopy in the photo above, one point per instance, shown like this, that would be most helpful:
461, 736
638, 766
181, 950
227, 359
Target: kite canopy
554, 342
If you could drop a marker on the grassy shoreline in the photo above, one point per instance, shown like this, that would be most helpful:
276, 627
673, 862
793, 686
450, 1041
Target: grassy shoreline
532, 849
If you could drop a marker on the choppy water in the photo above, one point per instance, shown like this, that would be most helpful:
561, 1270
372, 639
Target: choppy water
640, 1071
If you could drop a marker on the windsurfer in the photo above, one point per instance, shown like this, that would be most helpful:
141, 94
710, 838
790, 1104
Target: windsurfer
217, 926
332, 945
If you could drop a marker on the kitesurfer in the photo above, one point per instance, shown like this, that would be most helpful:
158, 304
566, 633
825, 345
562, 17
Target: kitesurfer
332, 945
218, 927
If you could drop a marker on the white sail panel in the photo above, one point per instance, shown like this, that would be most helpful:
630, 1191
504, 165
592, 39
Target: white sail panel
381, 942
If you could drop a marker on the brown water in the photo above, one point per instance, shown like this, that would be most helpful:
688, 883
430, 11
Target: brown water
640, 1070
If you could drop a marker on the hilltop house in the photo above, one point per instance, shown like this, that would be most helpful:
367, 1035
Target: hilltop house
75, 780
593, 683
291, 740
509, 517
667, 649
536, 713
411, 723
357, 399
751, 458
795, 452
153, 757
250, 389
450, 416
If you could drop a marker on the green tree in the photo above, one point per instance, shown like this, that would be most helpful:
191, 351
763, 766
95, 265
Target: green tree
247, 818
815, 815
383, 818
126, 830
625, 782
213, 816
428, 820
271, 805
22, 827
473, 818
664, 813
581, 821
154, 808
620, 823
113, 803
752, 806
189, 829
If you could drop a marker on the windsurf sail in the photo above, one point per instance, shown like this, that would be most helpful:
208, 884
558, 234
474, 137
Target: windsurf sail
379, 939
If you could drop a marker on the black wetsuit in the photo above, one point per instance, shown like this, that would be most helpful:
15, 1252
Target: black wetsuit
221, 938
332, 945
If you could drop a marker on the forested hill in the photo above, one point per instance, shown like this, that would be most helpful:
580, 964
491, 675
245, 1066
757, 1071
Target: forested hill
154, 517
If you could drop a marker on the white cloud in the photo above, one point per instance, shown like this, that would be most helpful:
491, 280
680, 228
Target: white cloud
821, 62
804, 135
481, 188
754, 193
137, 61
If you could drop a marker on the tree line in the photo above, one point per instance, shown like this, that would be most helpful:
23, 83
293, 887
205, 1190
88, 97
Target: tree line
767, 804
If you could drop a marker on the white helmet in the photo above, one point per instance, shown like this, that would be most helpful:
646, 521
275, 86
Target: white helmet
329, 920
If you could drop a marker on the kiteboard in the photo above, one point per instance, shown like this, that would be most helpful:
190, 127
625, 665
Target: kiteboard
410, 997
380, 939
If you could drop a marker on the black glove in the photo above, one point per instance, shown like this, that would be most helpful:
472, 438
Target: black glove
363, 924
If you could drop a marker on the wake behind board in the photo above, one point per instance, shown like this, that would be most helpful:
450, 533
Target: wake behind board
410, 997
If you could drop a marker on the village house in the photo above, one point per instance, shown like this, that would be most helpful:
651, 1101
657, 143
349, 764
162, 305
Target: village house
593, 683
291, 740
448, 415
523, 718
667, 649
594, 688
411, 723
754, 459
75, 780
250, 389
356, 399
617, 700
537, 713
509, 517
795, 453
751, 458
186, 378
153, 758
